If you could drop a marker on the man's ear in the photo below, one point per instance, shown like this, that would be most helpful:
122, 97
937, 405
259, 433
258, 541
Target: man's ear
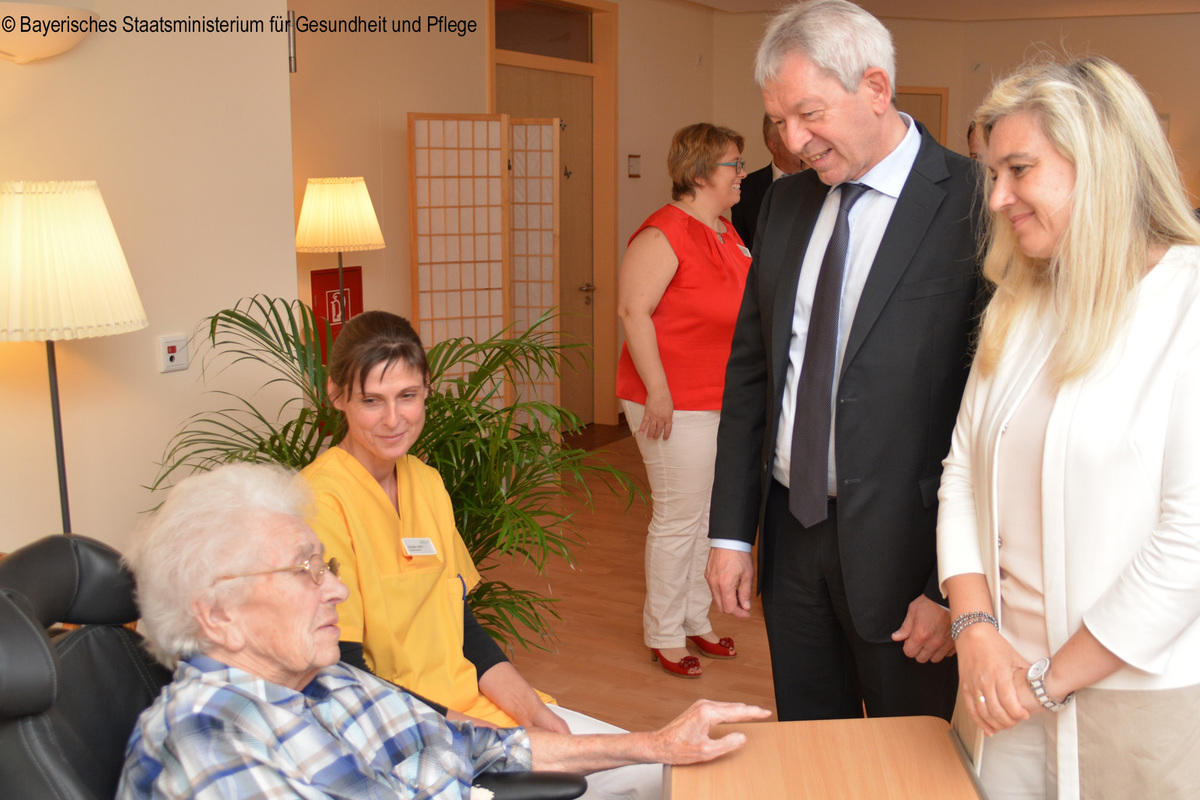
219, 626
879, 86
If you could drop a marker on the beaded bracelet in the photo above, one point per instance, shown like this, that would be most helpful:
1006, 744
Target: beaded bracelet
964, 621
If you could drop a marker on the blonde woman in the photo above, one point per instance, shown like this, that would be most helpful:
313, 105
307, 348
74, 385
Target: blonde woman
1069, 522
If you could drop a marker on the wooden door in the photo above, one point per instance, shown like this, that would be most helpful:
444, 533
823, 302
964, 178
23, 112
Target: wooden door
523, 92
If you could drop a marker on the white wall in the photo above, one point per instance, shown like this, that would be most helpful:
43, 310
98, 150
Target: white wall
352, 93
1159, 50
189, 138
351, 96
666, 59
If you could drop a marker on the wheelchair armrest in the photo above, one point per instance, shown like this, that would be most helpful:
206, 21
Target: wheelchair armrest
532, 785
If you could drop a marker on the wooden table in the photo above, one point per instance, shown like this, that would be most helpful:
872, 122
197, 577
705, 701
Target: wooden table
887, 757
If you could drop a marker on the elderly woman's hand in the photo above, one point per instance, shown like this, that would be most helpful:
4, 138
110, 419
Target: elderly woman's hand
992, 679
686, 739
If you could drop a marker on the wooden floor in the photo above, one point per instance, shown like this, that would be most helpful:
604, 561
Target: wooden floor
599, 665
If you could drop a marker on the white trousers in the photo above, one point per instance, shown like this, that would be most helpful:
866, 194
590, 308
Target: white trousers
1019, 763
636, 782
680, 471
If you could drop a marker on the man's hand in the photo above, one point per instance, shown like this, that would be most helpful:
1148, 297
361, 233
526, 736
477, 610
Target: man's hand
730, 576
686, 739
925, 631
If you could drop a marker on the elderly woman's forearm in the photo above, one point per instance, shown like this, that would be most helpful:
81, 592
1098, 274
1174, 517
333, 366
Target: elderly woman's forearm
557, 752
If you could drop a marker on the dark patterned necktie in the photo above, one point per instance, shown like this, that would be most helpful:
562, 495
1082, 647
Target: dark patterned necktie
809, 477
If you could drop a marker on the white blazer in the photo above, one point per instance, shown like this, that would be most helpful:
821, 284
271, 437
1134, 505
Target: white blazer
1120, 486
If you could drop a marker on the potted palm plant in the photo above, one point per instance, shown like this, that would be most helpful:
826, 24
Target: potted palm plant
509, 472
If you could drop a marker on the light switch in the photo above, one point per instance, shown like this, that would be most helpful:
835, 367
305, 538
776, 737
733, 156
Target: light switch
172, 352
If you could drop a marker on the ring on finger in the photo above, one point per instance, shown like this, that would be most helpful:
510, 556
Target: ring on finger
982, 699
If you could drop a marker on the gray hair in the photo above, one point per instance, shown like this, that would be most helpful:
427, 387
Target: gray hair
837, 36
207, 527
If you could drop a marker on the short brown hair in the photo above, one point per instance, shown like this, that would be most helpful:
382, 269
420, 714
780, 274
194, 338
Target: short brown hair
371, 338
694, 152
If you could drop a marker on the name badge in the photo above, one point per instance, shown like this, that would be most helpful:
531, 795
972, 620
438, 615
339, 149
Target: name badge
419, 547
745, 250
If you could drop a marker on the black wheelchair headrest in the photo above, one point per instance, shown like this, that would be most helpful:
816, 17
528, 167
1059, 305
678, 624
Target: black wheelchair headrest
69, 579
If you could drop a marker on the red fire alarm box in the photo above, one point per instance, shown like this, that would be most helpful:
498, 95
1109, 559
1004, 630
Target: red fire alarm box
326, 302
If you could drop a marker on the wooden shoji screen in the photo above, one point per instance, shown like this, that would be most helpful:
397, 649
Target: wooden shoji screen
458, 204
484, 227
535, 234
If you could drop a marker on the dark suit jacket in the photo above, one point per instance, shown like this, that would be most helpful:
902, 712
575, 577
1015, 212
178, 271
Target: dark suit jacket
744, 214
899, 389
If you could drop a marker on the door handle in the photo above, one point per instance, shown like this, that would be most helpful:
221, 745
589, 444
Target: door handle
588, 288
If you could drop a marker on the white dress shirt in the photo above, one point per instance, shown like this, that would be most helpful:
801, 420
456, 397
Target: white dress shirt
868, 220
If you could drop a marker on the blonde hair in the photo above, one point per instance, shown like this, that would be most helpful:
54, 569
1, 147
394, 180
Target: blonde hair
1128, 199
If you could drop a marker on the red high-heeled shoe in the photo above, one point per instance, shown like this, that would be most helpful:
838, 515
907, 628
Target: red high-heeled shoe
686, 667
721, 649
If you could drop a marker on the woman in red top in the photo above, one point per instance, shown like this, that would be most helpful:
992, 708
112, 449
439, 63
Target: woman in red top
681, 285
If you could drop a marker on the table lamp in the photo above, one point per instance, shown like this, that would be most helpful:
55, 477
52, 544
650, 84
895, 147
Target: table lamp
62, 276
337, 217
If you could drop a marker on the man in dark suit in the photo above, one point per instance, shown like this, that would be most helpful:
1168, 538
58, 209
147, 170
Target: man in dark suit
850, 596
744, 213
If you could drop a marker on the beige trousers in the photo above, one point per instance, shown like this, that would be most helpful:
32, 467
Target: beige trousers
680, 471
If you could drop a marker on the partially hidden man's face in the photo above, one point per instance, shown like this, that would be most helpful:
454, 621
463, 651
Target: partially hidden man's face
839, 134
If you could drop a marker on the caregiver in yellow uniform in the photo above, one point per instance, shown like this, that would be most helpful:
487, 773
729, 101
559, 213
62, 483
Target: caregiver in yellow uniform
387, 518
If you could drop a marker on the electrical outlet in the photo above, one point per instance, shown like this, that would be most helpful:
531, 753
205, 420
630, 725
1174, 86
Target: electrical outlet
172, 352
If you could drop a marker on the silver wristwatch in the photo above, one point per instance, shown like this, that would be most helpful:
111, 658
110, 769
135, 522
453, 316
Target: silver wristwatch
1037, 677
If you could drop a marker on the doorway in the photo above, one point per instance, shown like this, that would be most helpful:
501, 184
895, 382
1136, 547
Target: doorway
596, 224
524, 92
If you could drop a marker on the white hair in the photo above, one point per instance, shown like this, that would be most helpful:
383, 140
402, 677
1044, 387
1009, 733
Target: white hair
211, 524
837, 36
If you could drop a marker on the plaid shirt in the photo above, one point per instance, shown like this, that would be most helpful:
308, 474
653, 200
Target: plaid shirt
219, 732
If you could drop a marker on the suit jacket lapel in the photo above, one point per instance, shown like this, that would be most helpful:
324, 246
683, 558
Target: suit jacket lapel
918, 202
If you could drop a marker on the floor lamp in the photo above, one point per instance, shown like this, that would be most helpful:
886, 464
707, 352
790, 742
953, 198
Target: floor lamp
62, 276
337, 217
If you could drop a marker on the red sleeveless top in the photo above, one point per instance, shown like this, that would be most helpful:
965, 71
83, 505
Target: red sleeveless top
695, 318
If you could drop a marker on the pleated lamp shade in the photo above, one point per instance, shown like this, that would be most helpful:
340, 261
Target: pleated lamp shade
62, 272
337, 217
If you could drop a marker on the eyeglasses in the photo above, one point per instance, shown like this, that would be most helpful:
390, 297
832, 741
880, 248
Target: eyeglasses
314, 566
738, 165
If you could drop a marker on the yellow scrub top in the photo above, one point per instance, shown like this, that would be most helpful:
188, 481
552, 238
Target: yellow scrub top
407, 610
